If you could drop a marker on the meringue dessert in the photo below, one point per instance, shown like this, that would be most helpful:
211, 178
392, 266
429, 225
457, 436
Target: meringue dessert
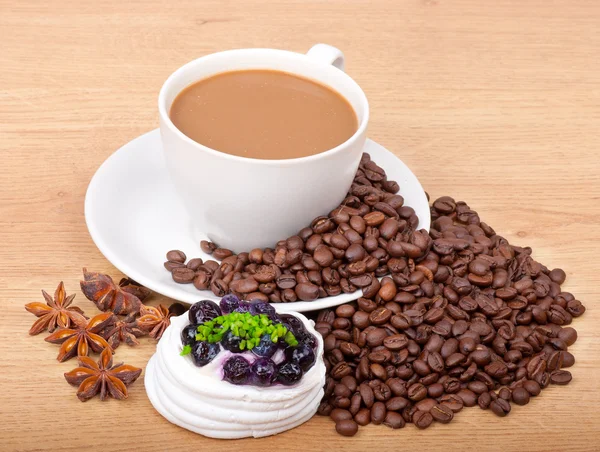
237, 370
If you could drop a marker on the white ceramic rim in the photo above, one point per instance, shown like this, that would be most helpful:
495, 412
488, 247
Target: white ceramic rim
164, 114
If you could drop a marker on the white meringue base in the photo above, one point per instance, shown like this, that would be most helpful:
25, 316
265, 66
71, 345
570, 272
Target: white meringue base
197, 399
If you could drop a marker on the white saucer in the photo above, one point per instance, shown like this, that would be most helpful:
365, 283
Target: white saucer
135, 217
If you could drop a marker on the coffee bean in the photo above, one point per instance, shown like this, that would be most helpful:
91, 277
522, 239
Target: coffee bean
346, 427
452, 401
417, 392
376, 336
366, 393
468, 397
422, 419
484, 400
307, 291
247, 285
207, 247
425, 404
568, 335
183, 275
560, 377
363, 417
176, 256
338, 414
394, 420
378, 413
520, 396
222, 253
441, 413
500, 407
558, 276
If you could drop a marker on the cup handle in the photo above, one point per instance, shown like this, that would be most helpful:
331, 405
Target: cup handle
327, 54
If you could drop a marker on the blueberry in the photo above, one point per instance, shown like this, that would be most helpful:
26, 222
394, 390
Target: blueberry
260, 307
294, 322
265, 347
204, 311
263, 372
231, 342
236, 370
203, 353
243, 307
308, 339
302, 354
229, 303
188, 334
289, 373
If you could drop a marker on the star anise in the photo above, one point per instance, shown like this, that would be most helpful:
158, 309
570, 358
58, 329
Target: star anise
123, 330
78, 341
154, 320
135, 288
107, 295
56, 312
102, 378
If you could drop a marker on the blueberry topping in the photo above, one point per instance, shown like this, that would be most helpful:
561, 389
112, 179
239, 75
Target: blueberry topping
203, 311
236, 370
265, 347
203, 353
244, 306
260, 307
231, 342
263, 372
229, 303
308, 339
188, 334
303, 355
293, 322
289, 373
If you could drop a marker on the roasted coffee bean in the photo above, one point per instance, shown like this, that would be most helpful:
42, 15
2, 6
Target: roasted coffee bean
417, 392
376, 336
176, 256
532, 387
560, 377
520, 396
422, 419
307, 291
207, 247
442, 413
394, 420
222, 253
367, 395
346, 427
338, 414
484, 400
378, 413
363, 417
500, 407
201, 281
183, 275
452, 401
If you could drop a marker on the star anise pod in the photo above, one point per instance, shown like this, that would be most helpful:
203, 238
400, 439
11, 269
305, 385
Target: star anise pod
154, 320
78, 341
107, 295
123, 330
102, 378
135, 288
56, 312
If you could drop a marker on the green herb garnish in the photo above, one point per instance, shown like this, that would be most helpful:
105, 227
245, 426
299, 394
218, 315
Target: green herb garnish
187, 349
250, 328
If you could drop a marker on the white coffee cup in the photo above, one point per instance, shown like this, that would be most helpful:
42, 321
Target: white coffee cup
243, 203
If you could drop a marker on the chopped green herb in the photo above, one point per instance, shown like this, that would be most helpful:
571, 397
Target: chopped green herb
250, 328
187, 349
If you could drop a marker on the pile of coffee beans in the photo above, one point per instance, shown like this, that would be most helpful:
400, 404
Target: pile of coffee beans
465, 319
342, 252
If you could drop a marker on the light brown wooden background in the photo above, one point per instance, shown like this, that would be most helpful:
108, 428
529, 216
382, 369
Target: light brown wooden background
494, 102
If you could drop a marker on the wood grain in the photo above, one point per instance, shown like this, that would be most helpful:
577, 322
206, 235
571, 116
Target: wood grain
496, 103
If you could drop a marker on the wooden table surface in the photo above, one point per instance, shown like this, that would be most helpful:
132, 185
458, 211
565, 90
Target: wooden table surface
496, 103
